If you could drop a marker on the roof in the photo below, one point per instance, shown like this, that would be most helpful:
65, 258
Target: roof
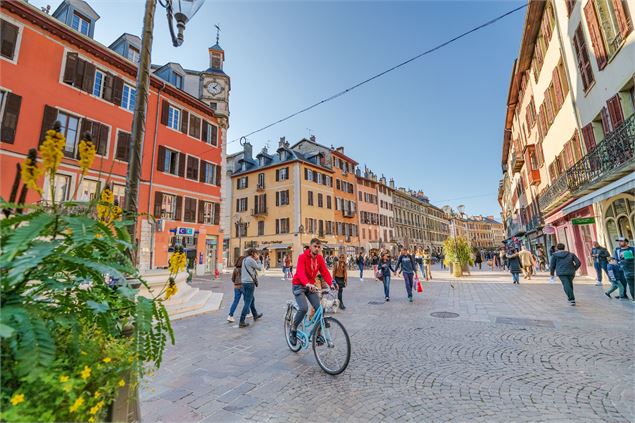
212, 70
79, 5
293, 156
131, 38
343, 156
216, 47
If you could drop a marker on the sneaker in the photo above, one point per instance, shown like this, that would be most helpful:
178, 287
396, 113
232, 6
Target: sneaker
571, 303
320, 340
608, 295
387, 298
258, 316
598, 283
293, 338
248, 316
342, 307
231, 319
410, 299
361, 279
243, 324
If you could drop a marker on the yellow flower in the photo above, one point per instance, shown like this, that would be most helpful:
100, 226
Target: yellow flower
97, 407
91, 419
17, 399
52, 150
78, 403
107, 360
87, 152
64, 378
86, 372
177, 262
30, 171
170, 290
121, 383
97, 394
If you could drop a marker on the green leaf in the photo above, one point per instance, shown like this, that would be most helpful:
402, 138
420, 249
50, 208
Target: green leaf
96, 268
6, 331
25, 234
19, 267
127, 292
98, 307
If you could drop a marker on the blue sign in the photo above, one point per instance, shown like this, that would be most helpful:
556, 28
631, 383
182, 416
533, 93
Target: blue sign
185, 231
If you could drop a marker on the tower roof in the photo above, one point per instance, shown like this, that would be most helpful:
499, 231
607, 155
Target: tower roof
216, 47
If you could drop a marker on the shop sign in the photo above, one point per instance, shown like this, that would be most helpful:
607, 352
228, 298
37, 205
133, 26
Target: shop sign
549, 230
185, 231
583, 221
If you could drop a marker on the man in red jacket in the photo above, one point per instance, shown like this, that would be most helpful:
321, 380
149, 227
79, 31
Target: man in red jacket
310, 263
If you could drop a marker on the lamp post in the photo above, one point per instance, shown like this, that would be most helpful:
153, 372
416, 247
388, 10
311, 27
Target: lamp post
181, 11
239, 228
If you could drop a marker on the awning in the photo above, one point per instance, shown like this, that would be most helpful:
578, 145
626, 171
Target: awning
274, 246
627, 183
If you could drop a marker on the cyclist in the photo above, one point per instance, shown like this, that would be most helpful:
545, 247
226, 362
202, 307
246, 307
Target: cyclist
310, 263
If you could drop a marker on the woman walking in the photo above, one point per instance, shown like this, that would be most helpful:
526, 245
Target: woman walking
238, 288
385, 267
513, 263
419, 261
427, 264
478, 260
341, 278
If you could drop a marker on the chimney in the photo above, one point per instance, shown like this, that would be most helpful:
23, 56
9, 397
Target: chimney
392, 183
312, 138
281, 143
247, 151
340, 149
382, 179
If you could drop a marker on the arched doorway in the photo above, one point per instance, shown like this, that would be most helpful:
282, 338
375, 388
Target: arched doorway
619, 218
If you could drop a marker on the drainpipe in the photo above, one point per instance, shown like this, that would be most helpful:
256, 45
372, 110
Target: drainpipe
154, 147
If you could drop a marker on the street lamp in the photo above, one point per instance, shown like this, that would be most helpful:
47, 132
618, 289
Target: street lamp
182, 11
239, 228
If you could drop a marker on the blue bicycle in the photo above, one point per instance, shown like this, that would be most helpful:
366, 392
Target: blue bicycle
330, 341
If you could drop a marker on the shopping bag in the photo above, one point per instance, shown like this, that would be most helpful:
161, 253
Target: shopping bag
419, 286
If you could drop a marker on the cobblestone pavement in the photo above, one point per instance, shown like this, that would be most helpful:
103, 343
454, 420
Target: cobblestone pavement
515, 353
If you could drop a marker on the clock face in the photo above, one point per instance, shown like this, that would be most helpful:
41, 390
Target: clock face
214, 88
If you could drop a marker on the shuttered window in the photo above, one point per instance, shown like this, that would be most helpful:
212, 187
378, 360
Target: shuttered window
596, 36
582, 56
9, 39
191, 171
189, 211
589, 137
99, 134
615, 111
10, 104
123, 146
195, 126
208, 212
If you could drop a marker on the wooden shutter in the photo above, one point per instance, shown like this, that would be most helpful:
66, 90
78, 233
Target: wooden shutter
102, 146
80, 69
184, 120
218, 175
277, 226
201, 211
575, 144
89, 77
123, 147
277, 198
117, 91
595, 34
165, 112
204, 131
216, 213
108, 85
584, 64
158, 200
589, 137
9, 39
181, 170
179, 206
201, 171
10, 117
192, 167
190, 210
622, 18
277, 175
615, 111
71, 66
161, 159
237, 204
606, 121
214, 135
557, 88
50, 116
195, 126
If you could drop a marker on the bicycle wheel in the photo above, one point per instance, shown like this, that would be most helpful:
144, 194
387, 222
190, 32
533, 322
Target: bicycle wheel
333, 350
288, 323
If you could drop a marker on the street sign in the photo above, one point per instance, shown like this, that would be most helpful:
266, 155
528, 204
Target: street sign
583, 220
185, 231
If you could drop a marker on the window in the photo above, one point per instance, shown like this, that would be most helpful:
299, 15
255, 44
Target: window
70, 125
171, 162
195, 126
310, 198
99, 132
328, 202
282, 198
191, 170
582, 55
189, 212
260, 204
88, 189
261, 228
210, 216
122, 151
80, 23
133, 54
241, 229
282, 174
210, 173
242, 182
98, 85
282, 226
241, 204
62, 184
177, 80
216, 61
210, 133
213, 105
174, 118
320, 199
128, 97
119, 192
9, 39
261, 180
168, 206
10, 111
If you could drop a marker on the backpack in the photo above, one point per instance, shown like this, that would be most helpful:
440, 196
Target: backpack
237, 271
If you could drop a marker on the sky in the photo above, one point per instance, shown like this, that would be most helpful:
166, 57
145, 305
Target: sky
435, 124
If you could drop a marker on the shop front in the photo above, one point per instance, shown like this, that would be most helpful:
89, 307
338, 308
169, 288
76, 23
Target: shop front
211, 252
275, 252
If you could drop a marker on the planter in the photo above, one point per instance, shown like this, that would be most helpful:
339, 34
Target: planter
457, 270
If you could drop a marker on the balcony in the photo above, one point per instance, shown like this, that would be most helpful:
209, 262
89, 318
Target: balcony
534, 177
611, 159
260, 211
534, 223
517, 162
260, 187
348, 213
556, 193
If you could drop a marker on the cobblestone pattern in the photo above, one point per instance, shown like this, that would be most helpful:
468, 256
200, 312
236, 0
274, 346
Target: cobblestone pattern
407, 365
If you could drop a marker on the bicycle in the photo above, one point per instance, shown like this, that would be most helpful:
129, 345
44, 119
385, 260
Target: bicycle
330, 341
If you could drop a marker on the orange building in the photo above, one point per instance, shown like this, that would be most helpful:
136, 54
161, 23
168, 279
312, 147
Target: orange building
51, 71
344, 190
367, 196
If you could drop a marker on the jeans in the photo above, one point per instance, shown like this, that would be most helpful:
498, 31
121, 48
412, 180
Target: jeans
599, 266
238, 292
409, 279
340, 288
567, 285
516, 277
361, 271
422, 270
249, 300
387, 285
629, 281
615, 285
301, 293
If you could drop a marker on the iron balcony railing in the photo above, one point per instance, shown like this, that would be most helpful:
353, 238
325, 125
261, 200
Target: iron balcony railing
611, 156
259, 211
557, 192
518, 160
534, 223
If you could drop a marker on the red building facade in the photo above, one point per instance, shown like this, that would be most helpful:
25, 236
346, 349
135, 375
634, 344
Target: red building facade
51, 72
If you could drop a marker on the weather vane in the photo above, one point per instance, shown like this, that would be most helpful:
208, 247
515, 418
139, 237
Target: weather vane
217, 26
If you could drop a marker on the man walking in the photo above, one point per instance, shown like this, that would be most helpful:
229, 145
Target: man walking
526, 261
600, 261
565, 264
249, 278
360, 264
407, 263
624, 254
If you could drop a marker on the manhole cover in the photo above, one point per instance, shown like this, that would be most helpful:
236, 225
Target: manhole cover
444, 314
376, 302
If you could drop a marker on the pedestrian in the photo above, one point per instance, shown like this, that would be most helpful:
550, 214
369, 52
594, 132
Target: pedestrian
385, 267
526, 261
542, 259
249, 279
374, 261
442, 260
238, 288
624, 255
503, 258
612, 270
419, 261
407, 264
565, 264
600, 261
478, 260
514, 266
427, 265
360, 264
285, 267
341, 278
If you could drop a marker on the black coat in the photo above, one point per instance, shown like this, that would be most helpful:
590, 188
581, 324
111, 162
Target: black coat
513, 262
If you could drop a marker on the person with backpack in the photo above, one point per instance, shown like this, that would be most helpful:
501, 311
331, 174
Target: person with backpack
625, 257
238, 288
340, 274
360, 264
600, 261
514, 265
383, 269
565, 264
612, 269
249, 278
406, 262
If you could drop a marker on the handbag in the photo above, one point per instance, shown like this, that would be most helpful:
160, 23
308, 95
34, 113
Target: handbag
379, 275
255, 279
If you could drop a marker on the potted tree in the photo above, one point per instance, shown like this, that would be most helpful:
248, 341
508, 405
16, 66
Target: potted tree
457, 254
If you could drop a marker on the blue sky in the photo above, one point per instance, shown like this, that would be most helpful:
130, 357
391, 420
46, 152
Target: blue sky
435, 124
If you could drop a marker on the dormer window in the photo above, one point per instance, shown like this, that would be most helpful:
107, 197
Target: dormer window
216, 61
133, 54
177, 80
283, 155
263, 161
80, 23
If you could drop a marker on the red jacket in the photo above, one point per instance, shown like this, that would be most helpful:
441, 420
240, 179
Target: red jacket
308, 268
